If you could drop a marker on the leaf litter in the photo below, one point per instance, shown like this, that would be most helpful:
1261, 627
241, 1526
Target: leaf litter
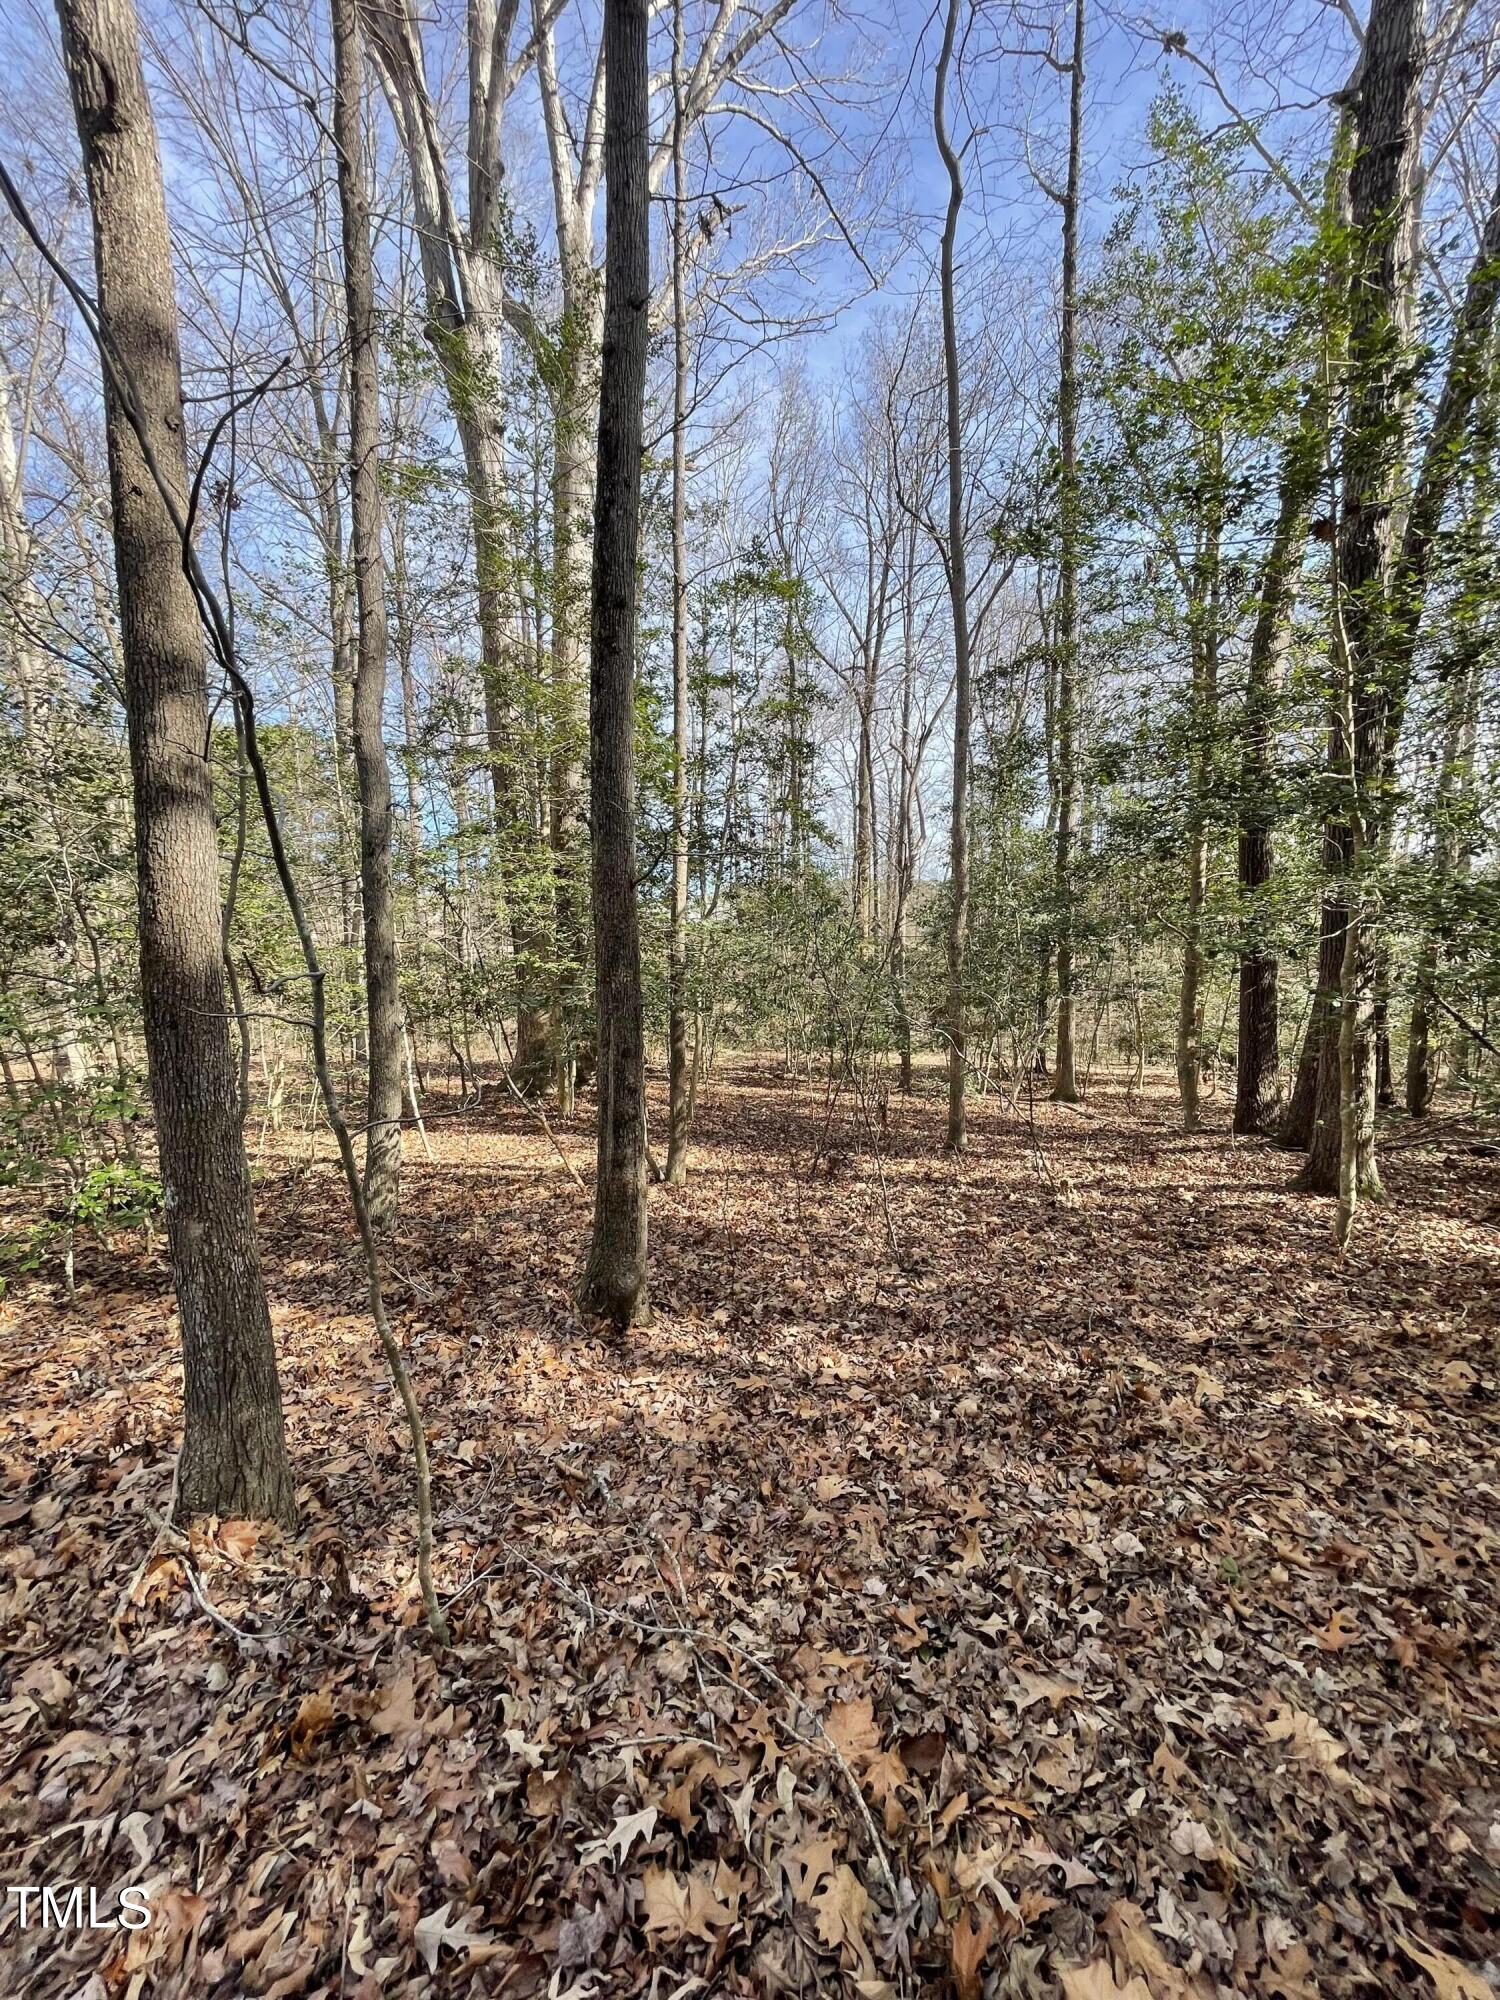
953, 1590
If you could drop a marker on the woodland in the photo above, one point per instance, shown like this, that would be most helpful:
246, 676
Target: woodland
749, 999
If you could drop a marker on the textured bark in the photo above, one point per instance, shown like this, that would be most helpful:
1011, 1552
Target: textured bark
1205, 618
1460, 693
958, 597
382, 1175
464, 283
677, 1050
572, 495
1190, 988
1064, 1082
234, 1459
1387, 140
1314, 1099
614, 1279
1257, 1051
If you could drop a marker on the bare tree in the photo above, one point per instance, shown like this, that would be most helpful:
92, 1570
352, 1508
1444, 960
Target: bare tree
1381, 184
614, 1279
1257, 1048
677, 1053
382, 989
958, 594
464, 268
1064, 1080
234, 1458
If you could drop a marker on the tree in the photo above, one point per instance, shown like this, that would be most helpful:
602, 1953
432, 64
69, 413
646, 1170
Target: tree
234, 1459
1064, 1082
1387, 141
958, 595
677, 1055
1257, 1047
614, 1278
382, 988
465, 270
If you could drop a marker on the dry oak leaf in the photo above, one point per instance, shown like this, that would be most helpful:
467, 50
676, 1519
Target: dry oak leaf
1307, 1741
622, 1836
1453, 1979
1192, 1839
700, 1905
1098, 1982
1340, 1631
1043, 1687
1169, 1767
312, 1720
966, 1949
396, 1715
853, 1730
434, 1931
1136, 1944
842, 1905
806, 1865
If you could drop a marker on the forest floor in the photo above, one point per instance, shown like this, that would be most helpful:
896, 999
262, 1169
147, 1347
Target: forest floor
1051, 1573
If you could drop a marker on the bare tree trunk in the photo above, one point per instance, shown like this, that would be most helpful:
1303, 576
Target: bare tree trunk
1190, 990
464, 282
382, 1179
234, 1459
1064, 1081
677, 1055
864, 802
1387, 139
1204, 613
958, 597
1460, 689
614, 1279
572, 493
1257, 1050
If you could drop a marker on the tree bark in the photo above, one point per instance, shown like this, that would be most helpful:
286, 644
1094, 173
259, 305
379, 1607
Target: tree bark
614, 1279
1387, 141
677, 1050
234, 1459
1205, 611
1257, 1048
382, 1175
955, 564
464, 283
1064, 1082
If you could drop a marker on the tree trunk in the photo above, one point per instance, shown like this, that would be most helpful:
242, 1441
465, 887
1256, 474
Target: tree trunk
1257, 1050
1064, 1082
234, 1459
1387, 141
382, 1176
677, 1054
1312, 1116
572, 494
1204, 614
1190, 990
614, 1279
958, 598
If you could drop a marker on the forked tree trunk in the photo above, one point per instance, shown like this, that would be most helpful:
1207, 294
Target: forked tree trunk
614, 1280
1064, 1080
382, 1178
234, 1459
